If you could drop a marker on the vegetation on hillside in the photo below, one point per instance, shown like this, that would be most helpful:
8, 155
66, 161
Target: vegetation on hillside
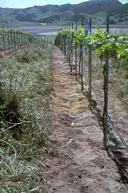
68, 12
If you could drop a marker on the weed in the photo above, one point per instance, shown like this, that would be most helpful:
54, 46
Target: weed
24, 117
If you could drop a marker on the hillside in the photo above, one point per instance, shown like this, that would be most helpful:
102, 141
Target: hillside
59, 14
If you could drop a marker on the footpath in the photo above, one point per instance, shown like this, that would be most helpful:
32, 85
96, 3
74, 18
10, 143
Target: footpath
79, 163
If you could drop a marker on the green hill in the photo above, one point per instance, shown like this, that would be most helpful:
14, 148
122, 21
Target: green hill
55, 14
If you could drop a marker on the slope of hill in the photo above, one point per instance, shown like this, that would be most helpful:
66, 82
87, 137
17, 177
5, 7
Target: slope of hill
59, 14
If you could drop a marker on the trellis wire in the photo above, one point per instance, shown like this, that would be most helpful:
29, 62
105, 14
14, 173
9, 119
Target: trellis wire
107, 124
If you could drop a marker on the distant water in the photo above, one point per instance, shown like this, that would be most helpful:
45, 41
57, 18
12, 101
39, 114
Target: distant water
48, 33
42, 30
52, 30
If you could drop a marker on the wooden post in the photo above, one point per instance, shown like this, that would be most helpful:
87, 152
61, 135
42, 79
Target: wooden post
106, 79
90, 66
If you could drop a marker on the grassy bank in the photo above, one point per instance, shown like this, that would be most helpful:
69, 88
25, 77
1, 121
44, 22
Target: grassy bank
25, 84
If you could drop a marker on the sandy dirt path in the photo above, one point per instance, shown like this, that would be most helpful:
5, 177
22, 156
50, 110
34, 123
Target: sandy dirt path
79, 163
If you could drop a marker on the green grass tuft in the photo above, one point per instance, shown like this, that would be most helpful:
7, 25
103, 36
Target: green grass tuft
25, 84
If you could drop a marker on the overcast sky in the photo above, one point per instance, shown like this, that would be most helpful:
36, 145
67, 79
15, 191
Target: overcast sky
29, 3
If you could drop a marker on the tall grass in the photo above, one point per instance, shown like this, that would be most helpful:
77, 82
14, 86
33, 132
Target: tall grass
25, 83
118, 75
121, 77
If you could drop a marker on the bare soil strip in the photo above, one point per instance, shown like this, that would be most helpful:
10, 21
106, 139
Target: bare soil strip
79, 163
